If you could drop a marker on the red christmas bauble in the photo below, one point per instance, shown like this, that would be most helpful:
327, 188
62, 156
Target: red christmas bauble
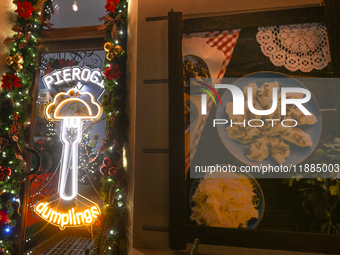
6, 171
107, 161
104, 170
112, 171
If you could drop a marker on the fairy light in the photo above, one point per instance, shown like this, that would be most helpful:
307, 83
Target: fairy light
124, 158
75, 6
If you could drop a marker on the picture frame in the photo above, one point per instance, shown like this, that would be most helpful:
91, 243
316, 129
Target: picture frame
181, 232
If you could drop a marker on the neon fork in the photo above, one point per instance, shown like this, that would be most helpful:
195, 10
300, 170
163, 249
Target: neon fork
70, 156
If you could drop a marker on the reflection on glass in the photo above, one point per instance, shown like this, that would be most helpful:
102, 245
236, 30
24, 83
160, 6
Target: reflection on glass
75, 6
77, 13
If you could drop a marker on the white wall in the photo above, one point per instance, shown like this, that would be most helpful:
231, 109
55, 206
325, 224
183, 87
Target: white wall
151, 185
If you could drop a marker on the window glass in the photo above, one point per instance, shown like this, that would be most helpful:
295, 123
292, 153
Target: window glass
74, 81
77, 13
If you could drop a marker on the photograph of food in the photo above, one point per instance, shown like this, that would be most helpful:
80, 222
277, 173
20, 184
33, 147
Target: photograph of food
194, 67
269, 141
190, 115
227, 202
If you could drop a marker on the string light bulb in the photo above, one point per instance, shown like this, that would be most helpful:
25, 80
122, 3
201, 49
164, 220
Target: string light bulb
75, 6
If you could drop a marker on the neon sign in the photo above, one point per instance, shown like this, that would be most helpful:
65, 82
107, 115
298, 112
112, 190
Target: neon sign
71, 218
62, 103
63, 108
67, 74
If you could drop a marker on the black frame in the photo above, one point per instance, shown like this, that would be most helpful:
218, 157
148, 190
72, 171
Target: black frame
180, 232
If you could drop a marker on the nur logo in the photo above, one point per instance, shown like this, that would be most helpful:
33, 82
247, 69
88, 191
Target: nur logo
204, 97
238, 100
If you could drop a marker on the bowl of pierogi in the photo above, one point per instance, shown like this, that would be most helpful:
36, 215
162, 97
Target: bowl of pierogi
280, 123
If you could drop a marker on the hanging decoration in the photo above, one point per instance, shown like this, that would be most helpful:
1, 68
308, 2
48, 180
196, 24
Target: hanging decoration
15, 97
15, 61
110, 21
112, 50
112, 72
15, 127
20, 33
10, 80
111, 5
13, 133
111, 237
3, 217
24, 9
5, 172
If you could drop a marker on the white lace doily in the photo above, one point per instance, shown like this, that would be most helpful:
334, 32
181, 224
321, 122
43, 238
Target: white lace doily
296, 47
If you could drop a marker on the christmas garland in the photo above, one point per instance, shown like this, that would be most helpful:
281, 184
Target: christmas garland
15, 97
111, 236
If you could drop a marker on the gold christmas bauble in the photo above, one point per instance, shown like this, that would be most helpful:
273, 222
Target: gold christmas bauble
17, 66
18, 58
118, 49
108, 46
9, 60
110, 56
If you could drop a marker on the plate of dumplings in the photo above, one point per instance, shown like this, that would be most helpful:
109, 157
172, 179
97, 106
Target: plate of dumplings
273, 139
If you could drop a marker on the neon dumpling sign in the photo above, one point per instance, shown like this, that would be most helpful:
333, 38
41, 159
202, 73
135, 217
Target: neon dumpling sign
63, 109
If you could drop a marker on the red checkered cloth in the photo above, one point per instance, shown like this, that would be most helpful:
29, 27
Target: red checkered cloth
224, 41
